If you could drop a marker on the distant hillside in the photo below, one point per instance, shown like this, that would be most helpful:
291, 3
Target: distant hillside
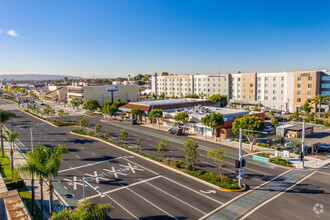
29, 77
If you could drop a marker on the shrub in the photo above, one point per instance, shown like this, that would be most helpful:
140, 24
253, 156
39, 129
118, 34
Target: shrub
79, 131
262, 145
61, 124
89, 133
327, 124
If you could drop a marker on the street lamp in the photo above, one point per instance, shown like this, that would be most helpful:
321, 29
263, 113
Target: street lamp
41, 124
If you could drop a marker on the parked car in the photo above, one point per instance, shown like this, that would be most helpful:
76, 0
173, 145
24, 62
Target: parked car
176, 131
268, 128
132, 121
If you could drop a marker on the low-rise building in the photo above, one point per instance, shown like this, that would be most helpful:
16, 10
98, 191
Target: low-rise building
57, 95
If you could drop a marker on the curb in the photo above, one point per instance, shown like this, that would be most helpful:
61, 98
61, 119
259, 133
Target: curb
155, 162
234, 190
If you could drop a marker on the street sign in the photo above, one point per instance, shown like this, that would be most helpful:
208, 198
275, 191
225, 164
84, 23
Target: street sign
286, 153
262, 159
240, 171
288, 144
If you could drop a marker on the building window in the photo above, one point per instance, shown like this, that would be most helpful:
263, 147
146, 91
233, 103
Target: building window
239, 79
244, 90
250, 97
213, 90
251, 85
259, 91
266, 91
274, 85
259, 97
238, 96
310, 78
274, 78
298, 93
309, 86
266, 97
244, 79
244, 85
225, 90
251, 79
309, 93
238, 90
274, 98
225, 79
282, 78
259, 78
298, 86
266, 85
251, 91
266, 78
282, 85
243, 96
274, 91
259, 85
299, 78
282, 92
298, 100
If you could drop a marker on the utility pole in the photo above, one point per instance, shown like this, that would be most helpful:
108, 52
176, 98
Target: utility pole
303, 144
240, 158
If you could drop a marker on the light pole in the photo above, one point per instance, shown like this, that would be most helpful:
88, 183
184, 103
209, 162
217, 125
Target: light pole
41, 124
303, 144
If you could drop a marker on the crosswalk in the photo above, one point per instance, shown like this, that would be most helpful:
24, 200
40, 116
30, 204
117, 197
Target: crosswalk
7, 105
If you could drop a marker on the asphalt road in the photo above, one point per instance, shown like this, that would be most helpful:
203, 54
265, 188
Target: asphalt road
146, 191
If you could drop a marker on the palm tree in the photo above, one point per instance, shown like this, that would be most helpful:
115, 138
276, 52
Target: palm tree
53, 165
39, 156
11, 139
4, 117
29, 168
319, 99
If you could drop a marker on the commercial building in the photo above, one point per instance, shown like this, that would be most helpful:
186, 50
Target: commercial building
101, 93
293, 130
57, 95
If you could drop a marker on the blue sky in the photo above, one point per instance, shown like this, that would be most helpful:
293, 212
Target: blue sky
108, 38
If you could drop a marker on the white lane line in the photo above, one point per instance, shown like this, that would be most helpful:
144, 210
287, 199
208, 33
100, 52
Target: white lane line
82, 148
77, 156
51, 140
89, 164
267, 201
93, 153
176, 198
193, 190
237, 197
122, 207
150, 202
123, 187
323, 173
141, 166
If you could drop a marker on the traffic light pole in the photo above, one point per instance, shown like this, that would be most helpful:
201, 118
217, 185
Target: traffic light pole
240, 158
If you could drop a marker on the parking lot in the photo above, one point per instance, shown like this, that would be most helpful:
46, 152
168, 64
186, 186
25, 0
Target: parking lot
141, 192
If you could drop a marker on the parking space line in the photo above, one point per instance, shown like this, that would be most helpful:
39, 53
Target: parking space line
123, 187
176, 198
323, 173
141, 166
150, 202
89, 164
193, 190
122, 207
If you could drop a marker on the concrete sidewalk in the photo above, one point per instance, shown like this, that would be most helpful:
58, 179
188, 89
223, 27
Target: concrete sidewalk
18, 159
310, 162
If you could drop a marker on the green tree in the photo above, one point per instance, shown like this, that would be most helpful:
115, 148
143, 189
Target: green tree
75, 102
140, 144
53, 165
4, 117
155, 114
249, 122
145, 79
107, 135
222, 100
218, 155
91, 105
271, 113
84, 122
136, 112
256, 107
165, 74
66, 79
306, 107
190, 151
213, 120
112, 109
154, 96
194, 96
60, 113
105, 107
29, 168
274, 122
319, 99
84, 211
162, 95
123, 135
97, 129
11, 139
162, 147
182, 118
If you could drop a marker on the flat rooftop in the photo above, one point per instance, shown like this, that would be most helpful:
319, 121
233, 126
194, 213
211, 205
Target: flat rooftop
166, 101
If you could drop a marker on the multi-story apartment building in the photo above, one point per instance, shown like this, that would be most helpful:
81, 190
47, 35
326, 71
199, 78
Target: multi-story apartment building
183, 85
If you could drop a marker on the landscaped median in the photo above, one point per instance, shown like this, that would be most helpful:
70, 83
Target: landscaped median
211, 179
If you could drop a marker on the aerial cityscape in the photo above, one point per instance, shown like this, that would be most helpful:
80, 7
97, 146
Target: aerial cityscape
164, 109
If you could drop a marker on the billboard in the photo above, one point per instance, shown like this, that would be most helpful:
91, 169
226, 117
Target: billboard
111, 88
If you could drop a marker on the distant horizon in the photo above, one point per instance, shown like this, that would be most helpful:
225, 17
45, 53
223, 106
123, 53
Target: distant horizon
109, 39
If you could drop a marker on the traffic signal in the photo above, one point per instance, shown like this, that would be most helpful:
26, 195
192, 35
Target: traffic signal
243, 162
270, 142
237, 164
301, 157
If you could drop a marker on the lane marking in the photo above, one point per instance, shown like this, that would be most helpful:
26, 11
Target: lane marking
92, 153
193, 190
249, 191
89, 164
176, 198
122, 207
150, 203
123, 187
323, 173
267, 201
77, 156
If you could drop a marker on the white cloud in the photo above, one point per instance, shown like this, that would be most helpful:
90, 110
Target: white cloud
12, 33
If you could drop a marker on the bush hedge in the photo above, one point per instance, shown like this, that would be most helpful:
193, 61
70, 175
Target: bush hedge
61, 124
